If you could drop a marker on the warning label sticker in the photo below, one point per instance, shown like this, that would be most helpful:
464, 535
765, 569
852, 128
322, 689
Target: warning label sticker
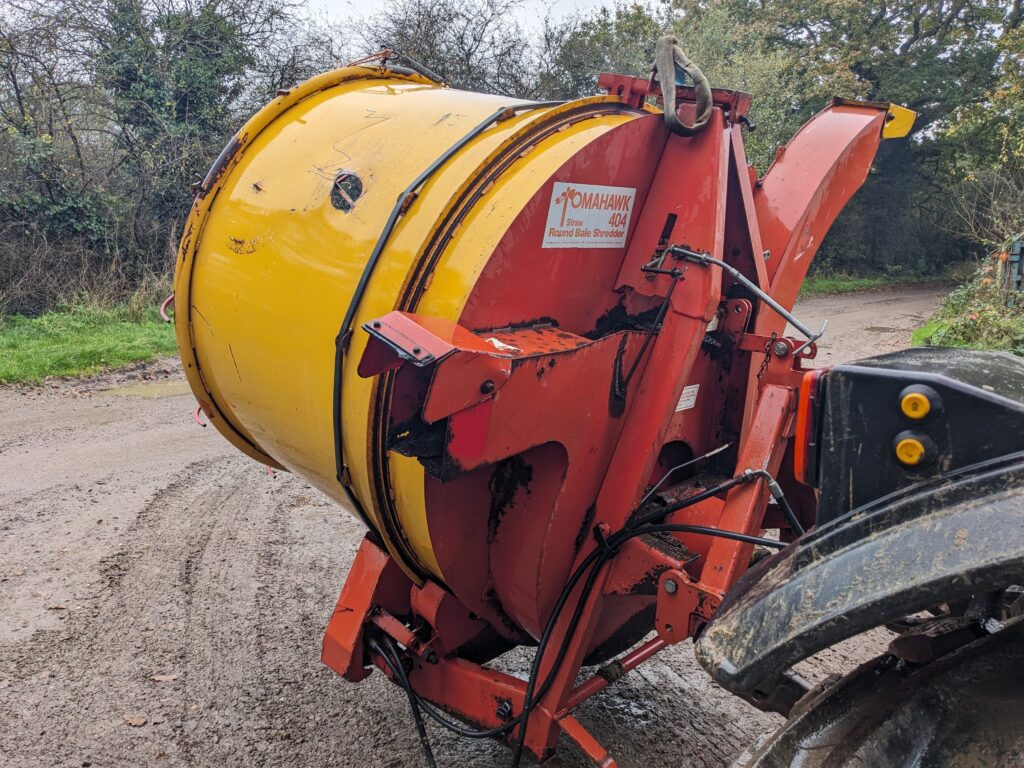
588, 216
689, 398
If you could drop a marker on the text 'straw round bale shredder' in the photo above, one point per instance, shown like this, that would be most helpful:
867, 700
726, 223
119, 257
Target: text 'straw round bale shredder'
541, 350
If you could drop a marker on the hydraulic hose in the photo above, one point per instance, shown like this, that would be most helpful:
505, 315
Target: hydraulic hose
590, 567
395, 664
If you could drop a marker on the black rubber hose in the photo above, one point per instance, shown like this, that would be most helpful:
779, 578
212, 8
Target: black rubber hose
780, 498
660, 514
614, 543
790, 515
595, 560
398, 670
436, 715
592, 564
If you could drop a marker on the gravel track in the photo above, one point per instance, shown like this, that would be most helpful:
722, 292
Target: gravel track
137, 545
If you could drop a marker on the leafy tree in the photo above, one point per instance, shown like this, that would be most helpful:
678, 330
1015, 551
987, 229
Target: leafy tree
988, 140
932, 56
621, 39
740, 55
617, 39
298, 48
110, 108
173, 72
470, 44
937, 57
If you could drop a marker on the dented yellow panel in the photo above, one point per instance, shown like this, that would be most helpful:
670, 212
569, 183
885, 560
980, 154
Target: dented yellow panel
268, 264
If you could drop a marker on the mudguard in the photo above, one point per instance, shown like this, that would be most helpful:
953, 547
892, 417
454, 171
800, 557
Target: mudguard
930, 543
894, 535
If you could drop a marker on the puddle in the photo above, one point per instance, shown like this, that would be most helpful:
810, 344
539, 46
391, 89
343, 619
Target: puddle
150, 389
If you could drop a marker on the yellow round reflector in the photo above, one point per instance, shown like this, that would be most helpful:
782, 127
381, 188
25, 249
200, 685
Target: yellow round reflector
915, 405
910, 451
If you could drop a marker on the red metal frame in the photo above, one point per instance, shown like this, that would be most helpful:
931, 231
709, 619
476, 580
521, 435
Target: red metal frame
768, 229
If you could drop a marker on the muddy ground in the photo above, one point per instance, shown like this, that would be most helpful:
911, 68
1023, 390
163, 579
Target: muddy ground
162, 598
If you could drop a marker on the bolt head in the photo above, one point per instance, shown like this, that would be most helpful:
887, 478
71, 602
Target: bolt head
671, 586
781, 348
487, 387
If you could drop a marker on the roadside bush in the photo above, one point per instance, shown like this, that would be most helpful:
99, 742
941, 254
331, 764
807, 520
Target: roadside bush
974, 315
109, 110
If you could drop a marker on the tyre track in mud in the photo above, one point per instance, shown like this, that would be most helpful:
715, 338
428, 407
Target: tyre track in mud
225, 578
102, 657
136, 544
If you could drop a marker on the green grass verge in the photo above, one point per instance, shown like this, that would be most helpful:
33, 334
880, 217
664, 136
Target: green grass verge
829, 285
78, 340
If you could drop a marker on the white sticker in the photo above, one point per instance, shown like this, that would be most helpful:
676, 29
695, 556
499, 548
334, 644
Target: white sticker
501, 346
588, 216
688, 399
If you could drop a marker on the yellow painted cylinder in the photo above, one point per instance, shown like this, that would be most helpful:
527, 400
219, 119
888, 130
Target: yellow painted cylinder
280, 236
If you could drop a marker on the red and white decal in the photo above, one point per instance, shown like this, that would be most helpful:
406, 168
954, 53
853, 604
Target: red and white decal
688, 399
588, 216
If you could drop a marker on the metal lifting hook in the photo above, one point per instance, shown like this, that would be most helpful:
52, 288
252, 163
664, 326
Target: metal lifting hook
669, 63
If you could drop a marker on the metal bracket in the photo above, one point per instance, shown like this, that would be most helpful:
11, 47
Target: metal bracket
705, 259
651, 268
780, 346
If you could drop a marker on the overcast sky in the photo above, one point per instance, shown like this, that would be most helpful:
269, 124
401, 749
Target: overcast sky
528, 14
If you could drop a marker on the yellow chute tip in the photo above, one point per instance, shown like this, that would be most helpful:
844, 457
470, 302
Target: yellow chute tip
899, 122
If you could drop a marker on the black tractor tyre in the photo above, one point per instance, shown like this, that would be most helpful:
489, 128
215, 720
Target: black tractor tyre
963, 709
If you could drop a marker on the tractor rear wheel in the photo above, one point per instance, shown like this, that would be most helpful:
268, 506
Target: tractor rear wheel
965, 708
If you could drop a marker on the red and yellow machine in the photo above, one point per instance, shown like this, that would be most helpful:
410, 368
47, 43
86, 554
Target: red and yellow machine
539, 348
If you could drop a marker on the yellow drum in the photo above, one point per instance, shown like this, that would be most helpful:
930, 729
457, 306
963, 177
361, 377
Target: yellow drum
365, 190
